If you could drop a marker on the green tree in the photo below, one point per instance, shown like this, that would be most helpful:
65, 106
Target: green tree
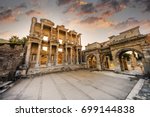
24, 40
14, 39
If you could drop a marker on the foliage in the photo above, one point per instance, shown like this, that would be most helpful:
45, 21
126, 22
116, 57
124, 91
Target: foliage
16, 40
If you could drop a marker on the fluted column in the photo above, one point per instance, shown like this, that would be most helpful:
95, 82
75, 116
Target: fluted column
28, 54
38, 56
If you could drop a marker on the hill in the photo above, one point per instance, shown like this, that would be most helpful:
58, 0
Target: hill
3, 41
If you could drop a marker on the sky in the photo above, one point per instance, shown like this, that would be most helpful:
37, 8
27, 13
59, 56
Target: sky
96, 20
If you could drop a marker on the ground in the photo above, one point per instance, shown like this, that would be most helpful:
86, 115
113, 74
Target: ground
74, 85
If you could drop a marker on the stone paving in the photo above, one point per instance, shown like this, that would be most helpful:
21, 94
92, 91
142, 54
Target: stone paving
144, 92
74, 85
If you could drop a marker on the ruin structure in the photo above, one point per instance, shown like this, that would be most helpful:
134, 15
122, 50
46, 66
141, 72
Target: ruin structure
49, 46
127, 51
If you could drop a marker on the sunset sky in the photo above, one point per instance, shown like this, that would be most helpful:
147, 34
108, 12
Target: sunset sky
95, 19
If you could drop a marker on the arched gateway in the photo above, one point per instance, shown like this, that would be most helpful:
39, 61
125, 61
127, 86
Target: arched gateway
125, 52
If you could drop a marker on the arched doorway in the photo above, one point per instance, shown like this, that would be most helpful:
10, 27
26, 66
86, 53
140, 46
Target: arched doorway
92, 61
131, 60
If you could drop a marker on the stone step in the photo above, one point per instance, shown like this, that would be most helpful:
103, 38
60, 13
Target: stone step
5, 84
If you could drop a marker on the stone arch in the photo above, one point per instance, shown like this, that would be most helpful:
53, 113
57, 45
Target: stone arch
122, 61
121, 51
91, 61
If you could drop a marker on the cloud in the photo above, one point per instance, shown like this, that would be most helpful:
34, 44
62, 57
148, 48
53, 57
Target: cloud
96, 22
146, 4
10, 15
7, 16
63, 2
132, 22
35, 3
87, 8
1, 8
34, 13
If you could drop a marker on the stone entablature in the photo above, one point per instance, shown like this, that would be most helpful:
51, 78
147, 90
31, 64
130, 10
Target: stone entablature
92, 46
128, 35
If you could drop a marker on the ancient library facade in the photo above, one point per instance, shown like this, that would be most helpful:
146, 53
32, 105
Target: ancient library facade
52, 46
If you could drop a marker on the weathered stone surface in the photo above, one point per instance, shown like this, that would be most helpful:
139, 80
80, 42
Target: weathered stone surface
10, 58
74, 85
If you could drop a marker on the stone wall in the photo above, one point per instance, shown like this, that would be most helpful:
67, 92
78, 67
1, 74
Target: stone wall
11, 56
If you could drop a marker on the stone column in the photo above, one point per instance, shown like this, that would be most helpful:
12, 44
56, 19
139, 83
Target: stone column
38, 56
34, 20
80, 40
51, 32
133, 60
146, 59
42, 28
56, 58
66, 55
98, 62
58, 34
28, 54
81, 56
71, 54
76, 39
71, 38
50, 52
77, 56
117, 65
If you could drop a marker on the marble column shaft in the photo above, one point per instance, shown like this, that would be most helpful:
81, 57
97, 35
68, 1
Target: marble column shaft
38, 55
